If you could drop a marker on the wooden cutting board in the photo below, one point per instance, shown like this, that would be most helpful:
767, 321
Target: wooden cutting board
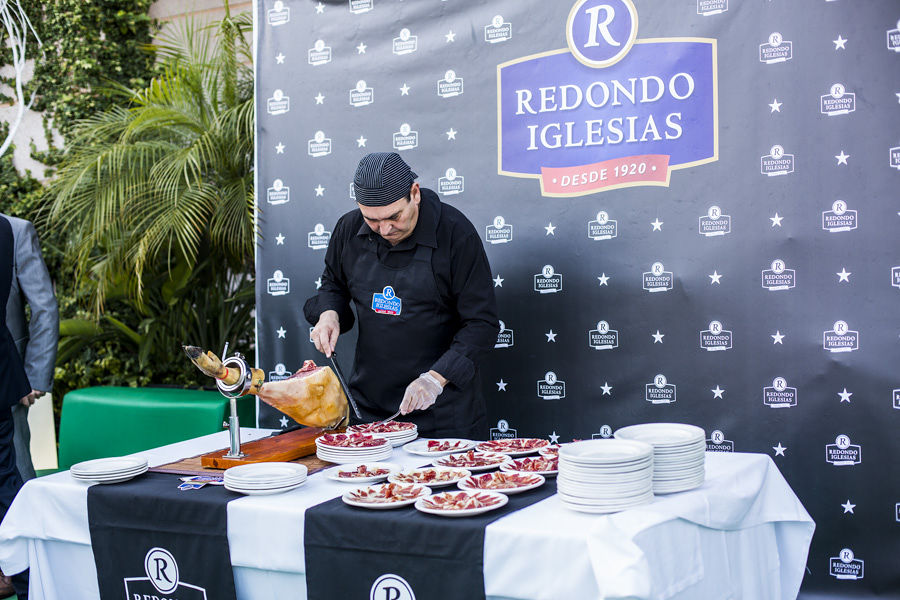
277, 448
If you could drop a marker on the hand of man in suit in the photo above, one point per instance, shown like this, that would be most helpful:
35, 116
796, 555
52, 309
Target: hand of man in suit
31, 398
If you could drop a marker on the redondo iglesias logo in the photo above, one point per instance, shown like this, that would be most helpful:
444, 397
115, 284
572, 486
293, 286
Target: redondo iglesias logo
609, 110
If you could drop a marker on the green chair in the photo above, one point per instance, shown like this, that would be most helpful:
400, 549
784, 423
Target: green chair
98, 422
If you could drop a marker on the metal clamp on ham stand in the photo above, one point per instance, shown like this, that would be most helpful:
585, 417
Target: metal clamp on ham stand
234, 391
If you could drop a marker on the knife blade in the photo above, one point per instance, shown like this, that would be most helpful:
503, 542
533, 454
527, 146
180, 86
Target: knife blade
340, 376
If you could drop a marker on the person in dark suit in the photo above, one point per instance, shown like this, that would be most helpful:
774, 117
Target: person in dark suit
36, 338
14, 390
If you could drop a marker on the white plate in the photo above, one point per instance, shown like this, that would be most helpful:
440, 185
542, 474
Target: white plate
662, 434
618, 503
420, 447
458, 475
264, 473
264, 492
109, 479
441, 462
605, 452
420, 505
108, 466
487, 447
509, 466
466, 484
333, 473
384, 505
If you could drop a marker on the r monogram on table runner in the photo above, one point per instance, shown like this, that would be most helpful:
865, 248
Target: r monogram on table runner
151, 540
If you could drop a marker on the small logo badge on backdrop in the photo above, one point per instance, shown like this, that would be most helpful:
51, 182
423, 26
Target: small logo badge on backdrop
603, 338
319, 54
711, 7
391, 587
893, 38
278, 193
846, 566
842, 453
361, 95
319, 145
358, 7
603, 228
776, 162
280, 373
550, 387
776, 50
714, 223
278, 284
318, 238
163, 578
658, 279
896, 394
310, 335
279, 14
548, 281
895, 157
405, 43
500, 232
841, 338
497, 31
839, 218
604, 433
780, 395
406, 138
387, 303
506, 337
278, 104
716, 338
660, 391
450, 85
352, 191
838, 101
897, 509
451, 183
503, 431
779, 277
718, 443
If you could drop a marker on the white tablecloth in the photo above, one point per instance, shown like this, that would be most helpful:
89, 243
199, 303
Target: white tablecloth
742, 535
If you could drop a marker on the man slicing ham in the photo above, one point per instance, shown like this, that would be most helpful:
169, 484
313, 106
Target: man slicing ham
416, 272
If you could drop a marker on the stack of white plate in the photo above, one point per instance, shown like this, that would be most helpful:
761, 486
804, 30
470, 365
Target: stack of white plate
343, 455
605, 476
408, 433
265, 478
109, 470
679, 454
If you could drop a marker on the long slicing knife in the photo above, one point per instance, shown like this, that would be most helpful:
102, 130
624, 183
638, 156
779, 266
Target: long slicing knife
340, 376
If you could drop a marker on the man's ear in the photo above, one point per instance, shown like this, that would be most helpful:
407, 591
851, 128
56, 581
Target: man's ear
414, 194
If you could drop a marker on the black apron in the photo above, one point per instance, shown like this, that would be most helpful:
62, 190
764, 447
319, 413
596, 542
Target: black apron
404, 340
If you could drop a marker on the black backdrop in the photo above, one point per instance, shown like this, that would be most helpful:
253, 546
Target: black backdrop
786, 144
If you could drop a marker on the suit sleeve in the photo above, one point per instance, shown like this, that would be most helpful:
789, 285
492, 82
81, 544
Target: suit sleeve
43, 327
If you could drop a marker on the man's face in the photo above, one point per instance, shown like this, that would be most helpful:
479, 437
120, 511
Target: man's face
396, 221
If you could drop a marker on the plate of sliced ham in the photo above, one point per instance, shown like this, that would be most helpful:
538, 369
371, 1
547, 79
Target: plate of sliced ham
385, 495
430, 476
513, 446
350, 440
528, 464
471, 460
440, 447
367, 472
461, 504
503, 482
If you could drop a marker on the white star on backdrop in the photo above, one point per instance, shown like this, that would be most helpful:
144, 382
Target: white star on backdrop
844, 275
657, 225
320, 8
839, 43
715, 278
451, 134
361, 49
279, 149
279, 240
498, 281
717, 392
776, 220
320, 99
607, 389
657, 337
404, 90
318, 283
848, 508
845, 396
283, 421
779, 449
501, 385
778, 336
551, 229
281, 332
842, 158
279, 60
553, 437
898, 97
450, 36
320, 191
551, 337
604, 279
775, 106
361, 142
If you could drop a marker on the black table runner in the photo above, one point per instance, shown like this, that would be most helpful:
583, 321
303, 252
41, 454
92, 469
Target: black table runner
151, 539
402, 553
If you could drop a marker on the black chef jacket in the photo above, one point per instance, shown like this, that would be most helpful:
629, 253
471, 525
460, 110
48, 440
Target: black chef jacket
446, 318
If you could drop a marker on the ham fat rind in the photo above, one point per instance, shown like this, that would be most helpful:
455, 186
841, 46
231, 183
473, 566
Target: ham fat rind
312, 396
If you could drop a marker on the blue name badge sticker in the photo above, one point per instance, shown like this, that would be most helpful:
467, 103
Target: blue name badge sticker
387, 303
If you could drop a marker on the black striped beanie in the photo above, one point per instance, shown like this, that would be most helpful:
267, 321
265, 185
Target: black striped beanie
382, 178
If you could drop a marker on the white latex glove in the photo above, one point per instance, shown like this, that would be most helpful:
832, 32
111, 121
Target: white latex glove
420, 394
